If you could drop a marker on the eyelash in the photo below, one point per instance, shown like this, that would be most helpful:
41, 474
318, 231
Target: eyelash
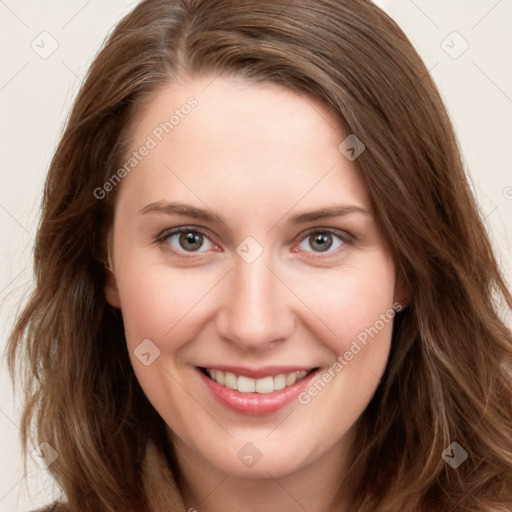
345, 238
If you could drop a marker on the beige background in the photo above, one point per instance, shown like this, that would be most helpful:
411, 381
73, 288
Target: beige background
36, 94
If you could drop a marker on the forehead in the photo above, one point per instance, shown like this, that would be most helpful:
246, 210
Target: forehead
232, 141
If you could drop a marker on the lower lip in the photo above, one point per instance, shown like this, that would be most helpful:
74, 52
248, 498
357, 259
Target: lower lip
256, 404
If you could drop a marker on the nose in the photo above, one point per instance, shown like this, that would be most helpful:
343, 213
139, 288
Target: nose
255, 311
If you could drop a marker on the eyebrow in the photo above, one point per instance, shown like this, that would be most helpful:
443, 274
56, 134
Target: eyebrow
166, 208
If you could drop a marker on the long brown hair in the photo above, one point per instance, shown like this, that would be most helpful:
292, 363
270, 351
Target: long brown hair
448, 376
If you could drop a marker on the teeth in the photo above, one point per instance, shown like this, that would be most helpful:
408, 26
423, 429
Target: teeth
247, 385
230, 380
279, 382
265, 385
291, 378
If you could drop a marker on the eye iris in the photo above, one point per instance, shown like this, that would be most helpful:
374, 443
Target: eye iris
195, 239
322, 240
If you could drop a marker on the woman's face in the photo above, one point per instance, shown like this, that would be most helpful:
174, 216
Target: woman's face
294, 326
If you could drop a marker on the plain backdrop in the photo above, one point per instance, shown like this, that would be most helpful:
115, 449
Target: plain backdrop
466, 45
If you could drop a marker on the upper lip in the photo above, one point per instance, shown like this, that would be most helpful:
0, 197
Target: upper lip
258, 373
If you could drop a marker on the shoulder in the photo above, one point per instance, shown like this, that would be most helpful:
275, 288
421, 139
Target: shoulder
54, 507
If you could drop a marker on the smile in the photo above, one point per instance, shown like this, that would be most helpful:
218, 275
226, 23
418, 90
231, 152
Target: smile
256, 392
264, 385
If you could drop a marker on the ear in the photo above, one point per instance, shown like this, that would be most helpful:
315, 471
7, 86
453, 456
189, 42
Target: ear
111, 291
402, 295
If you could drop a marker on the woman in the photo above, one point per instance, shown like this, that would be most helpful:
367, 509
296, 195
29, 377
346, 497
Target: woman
262, 279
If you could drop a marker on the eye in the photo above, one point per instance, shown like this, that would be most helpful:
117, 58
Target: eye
322, 240
186, 239
192, 240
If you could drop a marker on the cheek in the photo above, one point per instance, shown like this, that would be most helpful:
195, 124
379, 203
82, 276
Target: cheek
352, 302
356, 306
161, 314
157, 303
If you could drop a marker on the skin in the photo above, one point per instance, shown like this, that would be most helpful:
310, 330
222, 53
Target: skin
256, 154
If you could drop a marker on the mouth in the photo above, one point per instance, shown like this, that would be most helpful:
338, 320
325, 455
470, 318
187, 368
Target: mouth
264, 385
256, 392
